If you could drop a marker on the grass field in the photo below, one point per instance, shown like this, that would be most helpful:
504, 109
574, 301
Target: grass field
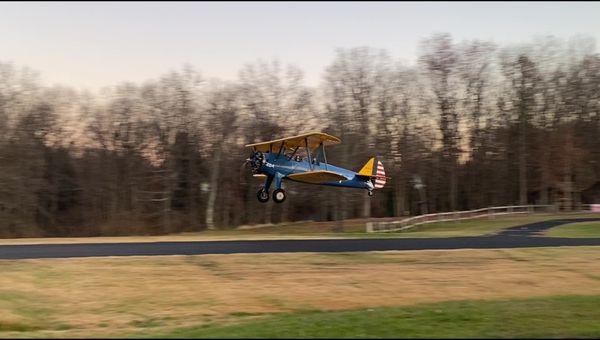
473, 227
582, 229
213, 295
483, 226
550, 317
349, 228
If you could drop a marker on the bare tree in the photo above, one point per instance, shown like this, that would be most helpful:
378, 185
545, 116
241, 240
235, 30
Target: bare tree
439, 58
223, 110
351, 87
467, 126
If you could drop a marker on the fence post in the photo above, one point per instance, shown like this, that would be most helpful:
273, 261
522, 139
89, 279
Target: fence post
369, 227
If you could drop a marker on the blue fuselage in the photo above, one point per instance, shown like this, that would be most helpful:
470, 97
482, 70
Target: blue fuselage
277, 167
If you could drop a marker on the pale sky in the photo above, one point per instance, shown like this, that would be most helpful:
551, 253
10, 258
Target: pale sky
91, 45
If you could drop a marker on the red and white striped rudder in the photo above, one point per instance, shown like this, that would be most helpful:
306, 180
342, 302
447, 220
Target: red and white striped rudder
379, 176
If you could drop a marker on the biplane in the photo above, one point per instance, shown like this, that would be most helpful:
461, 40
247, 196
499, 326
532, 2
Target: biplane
302, 159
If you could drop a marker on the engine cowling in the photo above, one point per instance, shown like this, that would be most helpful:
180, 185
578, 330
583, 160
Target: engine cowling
256, 161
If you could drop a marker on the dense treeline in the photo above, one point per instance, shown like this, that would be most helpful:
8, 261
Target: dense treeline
472, 124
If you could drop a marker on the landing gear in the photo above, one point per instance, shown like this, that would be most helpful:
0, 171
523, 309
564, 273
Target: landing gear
370, 193
279, 195
263, 195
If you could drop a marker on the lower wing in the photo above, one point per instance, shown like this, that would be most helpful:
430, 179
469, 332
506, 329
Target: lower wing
317, 177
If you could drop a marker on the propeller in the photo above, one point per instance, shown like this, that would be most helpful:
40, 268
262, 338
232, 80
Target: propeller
245, 162
256, 160
242, 170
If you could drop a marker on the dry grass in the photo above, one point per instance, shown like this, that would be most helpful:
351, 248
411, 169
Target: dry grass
306, 230
295, 230
104, 296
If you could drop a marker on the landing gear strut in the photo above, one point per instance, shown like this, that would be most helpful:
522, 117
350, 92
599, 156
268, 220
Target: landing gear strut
263, 195
279, 195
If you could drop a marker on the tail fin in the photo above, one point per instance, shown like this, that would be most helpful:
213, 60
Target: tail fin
367, 169
375, 170
380, 178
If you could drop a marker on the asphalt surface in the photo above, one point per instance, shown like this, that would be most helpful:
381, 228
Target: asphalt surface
515, 237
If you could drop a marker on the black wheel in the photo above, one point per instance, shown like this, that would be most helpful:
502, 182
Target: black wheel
279, 195
370, 193
262, 195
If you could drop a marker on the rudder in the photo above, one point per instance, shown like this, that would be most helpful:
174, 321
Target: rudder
379, 175
374, 169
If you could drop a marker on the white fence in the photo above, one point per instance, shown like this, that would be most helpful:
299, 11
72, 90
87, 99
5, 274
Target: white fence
379, 227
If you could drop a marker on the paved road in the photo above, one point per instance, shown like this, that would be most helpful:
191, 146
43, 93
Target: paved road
516, 237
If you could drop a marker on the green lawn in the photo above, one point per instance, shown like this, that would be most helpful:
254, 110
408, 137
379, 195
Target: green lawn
556, 317
581, 229
474, 227
479, 226
356, 228
329, 229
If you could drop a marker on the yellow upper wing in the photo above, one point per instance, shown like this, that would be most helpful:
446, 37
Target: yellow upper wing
316, 177
313, 139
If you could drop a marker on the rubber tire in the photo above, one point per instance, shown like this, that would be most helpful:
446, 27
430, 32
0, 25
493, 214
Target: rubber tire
277, 193
262, 195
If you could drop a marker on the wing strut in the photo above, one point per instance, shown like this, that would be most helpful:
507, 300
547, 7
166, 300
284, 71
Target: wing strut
280, 149
324, 156
308, 152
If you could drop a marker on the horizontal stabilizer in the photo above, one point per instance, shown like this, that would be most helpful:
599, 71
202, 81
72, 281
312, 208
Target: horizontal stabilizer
316, 177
